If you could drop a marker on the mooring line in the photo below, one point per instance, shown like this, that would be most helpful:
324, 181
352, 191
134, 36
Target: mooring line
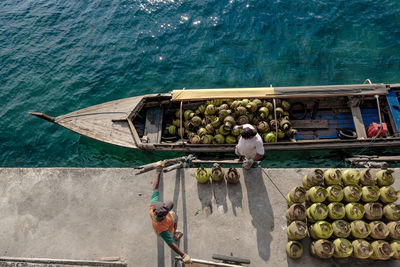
273, 183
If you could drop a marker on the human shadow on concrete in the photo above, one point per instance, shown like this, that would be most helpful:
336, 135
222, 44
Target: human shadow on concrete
235, 195
205, 194
260, 209
179, 188
219, 192
160, 241
182, 221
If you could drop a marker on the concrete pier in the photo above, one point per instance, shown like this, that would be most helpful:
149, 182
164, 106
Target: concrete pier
89, 214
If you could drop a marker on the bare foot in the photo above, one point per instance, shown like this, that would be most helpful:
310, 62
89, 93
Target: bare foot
178, 235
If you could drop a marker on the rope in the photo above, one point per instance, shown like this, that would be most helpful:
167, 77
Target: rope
274, 183
367, 81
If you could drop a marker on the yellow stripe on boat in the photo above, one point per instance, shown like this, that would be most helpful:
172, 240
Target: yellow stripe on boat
202, 94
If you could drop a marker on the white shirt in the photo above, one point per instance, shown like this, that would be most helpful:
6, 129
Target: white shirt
250, 147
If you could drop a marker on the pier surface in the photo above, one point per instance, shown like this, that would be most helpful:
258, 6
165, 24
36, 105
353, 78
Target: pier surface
90, 214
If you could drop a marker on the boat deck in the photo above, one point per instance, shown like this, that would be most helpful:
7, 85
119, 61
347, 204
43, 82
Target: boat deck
325, 117
88, 214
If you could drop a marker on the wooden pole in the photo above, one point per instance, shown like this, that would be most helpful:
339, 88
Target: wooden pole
276, 120
181, 131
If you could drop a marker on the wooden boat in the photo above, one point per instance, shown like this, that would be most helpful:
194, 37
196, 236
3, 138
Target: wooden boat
372, 161
139, 122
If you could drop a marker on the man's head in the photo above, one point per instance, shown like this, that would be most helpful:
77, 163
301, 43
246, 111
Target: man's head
248, 133
161, 209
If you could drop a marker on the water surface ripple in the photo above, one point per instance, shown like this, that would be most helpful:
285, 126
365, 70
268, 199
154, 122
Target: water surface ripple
59, 56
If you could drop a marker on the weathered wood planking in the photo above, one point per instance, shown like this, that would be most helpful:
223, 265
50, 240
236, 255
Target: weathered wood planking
97, 121
354, 104
116, 109
153, 125
375, 158
309, 124
160, 124
332, 143
358, 122
337, 121
116, 133
272, 92
47, 262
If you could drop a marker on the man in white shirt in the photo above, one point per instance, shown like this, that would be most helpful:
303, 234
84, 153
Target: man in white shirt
250, 145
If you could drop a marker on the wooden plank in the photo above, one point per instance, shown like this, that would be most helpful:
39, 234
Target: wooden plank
211, 161
376, 158
59, 262
167, 163
348, 89
310, 124
358, 123
281, 146
134, 134
205, 263
152, 125
289, 92
354, 104
198, 94
394, 106
160, 129
157, 103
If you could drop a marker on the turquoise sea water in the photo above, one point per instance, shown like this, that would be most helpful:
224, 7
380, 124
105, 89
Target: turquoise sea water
59, 56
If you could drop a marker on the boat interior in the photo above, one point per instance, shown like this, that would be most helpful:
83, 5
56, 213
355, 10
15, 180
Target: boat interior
315, 118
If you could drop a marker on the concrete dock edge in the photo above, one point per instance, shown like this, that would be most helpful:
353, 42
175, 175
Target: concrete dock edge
86, 214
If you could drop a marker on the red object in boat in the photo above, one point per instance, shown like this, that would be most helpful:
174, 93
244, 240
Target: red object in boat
373, 129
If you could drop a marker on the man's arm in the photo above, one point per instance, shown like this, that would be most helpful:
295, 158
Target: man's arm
159, 169
259, 150
258, 157
157, 180
185, 257
175, 248
166, 236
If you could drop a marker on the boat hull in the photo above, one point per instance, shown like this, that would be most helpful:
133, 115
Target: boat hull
138, 123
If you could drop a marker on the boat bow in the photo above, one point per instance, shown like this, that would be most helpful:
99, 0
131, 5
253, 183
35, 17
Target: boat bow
107, 122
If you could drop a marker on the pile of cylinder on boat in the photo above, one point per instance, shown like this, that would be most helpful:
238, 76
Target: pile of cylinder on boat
214, 121
346, 214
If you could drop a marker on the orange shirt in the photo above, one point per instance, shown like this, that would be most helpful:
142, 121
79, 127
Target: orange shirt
165, 225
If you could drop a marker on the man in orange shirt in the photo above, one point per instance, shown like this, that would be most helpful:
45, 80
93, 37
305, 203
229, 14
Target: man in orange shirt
164, 220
